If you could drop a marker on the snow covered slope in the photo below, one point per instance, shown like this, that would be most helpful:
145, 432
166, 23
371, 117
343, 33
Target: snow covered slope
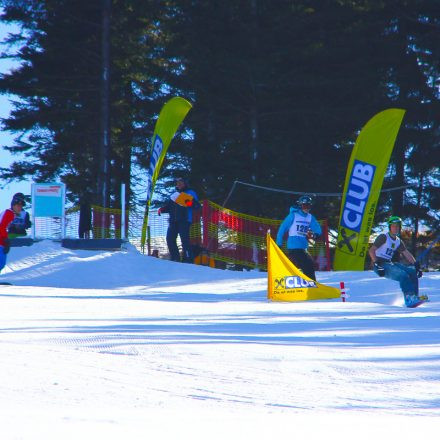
120, 345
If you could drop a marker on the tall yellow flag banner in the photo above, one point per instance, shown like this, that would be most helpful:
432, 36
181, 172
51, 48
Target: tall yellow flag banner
170, 118
363, 182
285, 282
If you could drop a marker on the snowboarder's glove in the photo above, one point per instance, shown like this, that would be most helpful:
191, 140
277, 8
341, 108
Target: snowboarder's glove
159, 211
380, 270
6, 245
418, 270
188, 203
311, 235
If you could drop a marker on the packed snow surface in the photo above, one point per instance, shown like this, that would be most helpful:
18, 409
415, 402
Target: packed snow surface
103, 345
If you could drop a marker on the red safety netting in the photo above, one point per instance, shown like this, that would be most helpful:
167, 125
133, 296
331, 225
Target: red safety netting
240, 239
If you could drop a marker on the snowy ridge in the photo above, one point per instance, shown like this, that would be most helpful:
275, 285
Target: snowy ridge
120, 345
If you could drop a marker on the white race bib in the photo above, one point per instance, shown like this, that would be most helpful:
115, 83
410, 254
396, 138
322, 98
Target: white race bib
300, 225
386, 251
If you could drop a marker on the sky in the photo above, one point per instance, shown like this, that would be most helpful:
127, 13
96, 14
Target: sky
112, 345
6, 138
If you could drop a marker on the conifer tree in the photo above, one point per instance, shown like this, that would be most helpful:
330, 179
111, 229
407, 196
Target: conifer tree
57, 114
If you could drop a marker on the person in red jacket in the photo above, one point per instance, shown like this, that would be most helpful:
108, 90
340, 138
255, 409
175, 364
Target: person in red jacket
6, 218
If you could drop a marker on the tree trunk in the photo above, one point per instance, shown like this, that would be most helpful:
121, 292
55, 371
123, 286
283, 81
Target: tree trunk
103, 183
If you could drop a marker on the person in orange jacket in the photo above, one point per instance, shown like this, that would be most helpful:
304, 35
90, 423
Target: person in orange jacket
6, 218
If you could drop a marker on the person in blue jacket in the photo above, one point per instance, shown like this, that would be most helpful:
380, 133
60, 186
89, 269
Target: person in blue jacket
180, 222
300, 226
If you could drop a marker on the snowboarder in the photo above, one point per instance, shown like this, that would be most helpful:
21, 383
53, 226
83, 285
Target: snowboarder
381, 253
180, 220
301, 227
6, 218
21, 222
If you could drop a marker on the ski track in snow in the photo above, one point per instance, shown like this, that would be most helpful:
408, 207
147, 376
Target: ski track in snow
85, 333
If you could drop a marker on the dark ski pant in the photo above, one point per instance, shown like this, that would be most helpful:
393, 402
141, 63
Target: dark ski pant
405, 275
303, 260
181, 229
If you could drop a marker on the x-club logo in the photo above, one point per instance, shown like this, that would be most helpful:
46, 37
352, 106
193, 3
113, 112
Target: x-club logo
358, 192
155, 156
346, 240
293, 282
279, 283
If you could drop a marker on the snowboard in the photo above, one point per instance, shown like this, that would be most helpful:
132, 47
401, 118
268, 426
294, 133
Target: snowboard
422, 300
5, 283
182, 199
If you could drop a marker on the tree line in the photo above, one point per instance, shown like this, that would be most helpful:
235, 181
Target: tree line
280, 90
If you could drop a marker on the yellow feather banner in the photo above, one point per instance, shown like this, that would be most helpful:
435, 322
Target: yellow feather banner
365, 172
171, 116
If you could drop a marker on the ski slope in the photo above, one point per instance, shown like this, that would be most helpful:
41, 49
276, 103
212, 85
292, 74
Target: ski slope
119, 345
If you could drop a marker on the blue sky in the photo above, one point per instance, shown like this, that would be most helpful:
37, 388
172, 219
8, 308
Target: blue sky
6, 138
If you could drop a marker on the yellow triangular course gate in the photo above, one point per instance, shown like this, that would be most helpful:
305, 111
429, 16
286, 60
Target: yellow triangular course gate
285, 282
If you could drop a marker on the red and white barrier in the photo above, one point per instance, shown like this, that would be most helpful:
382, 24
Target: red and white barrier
344, 294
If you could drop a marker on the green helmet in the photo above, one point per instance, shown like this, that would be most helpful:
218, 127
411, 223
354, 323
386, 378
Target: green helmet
393, 220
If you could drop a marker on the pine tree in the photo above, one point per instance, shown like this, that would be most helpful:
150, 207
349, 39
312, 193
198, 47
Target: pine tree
410, 79
57, 116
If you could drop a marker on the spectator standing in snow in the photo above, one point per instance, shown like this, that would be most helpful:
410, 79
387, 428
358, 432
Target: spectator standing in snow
381, 253
301, 226
85, 219
6, 218
180, 220
21, 222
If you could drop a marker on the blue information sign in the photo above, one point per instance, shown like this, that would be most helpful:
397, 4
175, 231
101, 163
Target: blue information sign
48, 199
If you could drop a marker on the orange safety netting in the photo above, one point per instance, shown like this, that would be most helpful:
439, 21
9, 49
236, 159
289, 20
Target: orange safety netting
106, 222
240, 239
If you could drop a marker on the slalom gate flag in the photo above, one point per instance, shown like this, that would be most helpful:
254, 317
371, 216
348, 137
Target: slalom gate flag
285, 282
170, 118
363, 182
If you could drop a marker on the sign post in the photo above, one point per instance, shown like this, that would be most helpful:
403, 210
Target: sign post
49, 200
